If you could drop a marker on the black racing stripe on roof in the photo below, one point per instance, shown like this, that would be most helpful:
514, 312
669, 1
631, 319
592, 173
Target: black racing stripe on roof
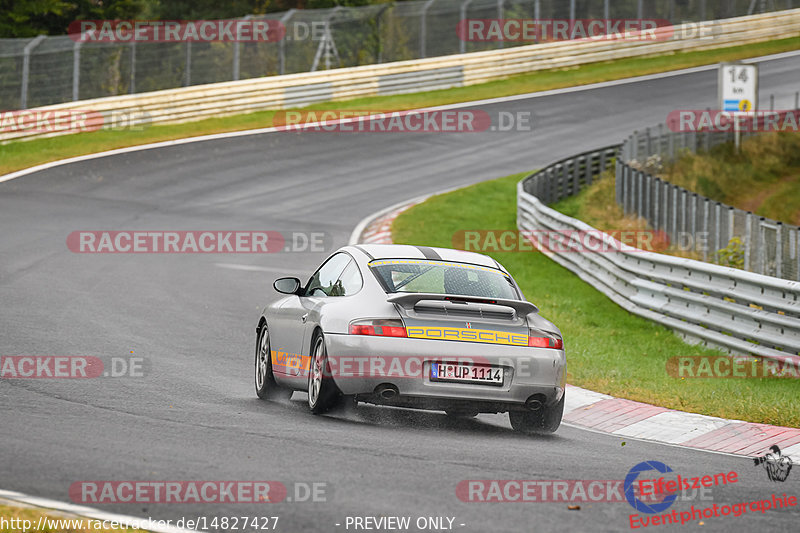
369, 255
429, 253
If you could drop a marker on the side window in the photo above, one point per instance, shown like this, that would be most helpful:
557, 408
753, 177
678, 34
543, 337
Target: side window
350, 281
325, 280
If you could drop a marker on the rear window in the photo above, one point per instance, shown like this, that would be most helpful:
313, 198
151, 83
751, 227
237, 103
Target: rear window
441, 277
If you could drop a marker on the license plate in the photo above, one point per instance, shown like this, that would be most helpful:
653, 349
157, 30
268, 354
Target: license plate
461, 373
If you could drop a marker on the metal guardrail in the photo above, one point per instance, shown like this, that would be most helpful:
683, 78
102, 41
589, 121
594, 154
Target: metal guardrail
741, 312
293, 90
768, 247
51, 70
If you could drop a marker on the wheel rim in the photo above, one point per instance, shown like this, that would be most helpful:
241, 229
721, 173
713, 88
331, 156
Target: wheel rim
315, 374
262, 360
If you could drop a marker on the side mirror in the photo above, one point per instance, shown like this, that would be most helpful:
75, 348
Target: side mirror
287, 285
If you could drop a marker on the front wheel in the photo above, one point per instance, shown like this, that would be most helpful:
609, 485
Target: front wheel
323, 395
545, 420
266, 386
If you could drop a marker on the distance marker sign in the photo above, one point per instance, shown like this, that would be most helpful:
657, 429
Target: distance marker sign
738, 87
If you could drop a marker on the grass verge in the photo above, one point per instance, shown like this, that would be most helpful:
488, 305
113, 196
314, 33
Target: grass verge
19, 155
608, 349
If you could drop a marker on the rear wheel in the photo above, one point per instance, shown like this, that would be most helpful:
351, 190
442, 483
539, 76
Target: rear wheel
266, 386
323, 395
545, 420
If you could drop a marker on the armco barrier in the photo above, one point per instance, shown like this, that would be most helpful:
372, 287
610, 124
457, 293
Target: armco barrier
739, 311
280, 92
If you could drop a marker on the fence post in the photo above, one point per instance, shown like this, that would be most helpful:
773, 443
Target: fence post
748, 233
423, 23
779, 250
705, 228
76, 69
282, 43
236, 54
132, 88
571, 9
462, 45
674, 207
606, 10
500, 14
656, 204
717, 227
640, 10
648, 209
188, 71
694, 220
26, 69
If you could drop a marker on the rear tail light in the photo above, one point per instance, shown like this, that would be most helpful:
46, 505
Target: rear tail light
384, 327
544, 342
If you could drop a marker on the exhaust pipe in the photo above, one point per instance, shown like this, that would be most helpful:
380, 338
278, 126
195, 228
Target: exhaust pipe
386, 391
535, 402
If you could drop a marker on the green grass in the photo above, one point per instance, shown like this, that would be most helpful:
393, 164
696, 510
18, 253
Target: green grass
18, 155
764, 177
608, 349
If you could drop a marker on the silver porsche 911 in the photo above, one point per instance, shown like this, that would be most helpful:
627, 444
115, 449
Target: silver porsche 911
414, 327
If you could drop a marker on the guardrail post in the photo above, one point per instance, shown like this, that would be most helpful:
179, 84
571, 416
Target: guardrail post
423, 23
282, 43
26, 69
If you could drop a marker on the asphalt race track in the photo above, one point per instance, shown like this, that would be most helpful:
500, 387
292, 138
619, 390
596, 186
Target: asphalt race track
195, 416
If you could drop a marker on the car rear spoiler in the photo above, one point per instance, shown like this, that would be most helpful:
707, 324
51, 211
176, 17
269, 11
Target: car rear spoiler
408, 299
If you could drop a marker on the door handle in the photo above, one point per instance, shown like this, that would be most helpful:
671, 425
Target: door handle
304, 318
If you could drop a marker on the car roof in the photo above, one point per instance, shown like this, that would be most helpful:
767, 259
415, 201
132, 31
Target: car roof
407, 251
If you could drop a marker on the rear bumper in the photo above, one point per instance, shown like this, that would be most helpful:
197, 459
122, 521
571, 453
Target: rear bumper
358, 364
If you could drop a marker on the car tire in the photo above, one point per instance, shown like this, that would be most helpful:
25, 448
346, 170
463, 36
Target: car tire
545, 420
323, 394
266, 386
